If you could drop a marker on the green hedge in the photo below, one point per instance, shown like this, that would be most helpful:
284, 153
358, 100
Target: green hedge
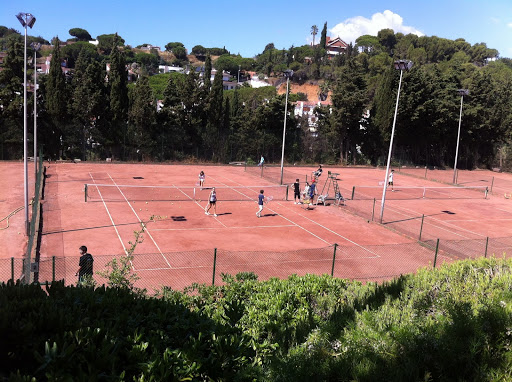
449, 324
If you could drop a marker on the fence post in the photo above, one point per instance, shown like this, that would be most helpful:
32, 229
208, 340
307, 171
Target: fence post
214, 264
486, 245
12, 269
373, 210
245, 166
492, 183
53, 268
261, 175
333, 259
426, 168
421, 227
435, 257
287, 190
85, 192
353, 191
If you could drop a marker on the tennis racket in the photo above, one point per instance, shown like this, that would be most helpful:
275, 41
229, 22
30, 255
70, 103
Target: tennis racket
268, 199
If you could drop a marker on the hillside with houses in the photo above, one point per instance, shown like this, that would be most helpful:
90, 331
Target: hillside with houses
100, 97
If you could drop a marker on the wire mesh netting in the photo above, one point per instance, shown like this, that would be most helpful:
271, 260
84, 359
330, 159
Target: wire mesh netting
398, 193
111, 192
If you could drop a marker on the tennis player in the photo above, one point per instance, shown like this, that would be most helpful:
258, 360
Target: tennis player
212, 202
390, 179
201, 179
262, 160
261, 198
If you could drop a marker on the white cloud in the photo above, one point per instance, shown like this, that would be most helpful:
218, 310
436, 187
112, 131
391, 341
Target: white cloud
509, 25
352, 28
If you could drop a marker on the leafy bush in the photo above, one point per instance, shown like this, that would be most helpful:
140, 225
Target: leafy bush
448, 324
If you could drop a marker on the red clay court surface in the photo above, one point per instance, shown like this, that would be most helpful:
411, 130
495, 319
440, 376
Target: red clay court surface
178, 246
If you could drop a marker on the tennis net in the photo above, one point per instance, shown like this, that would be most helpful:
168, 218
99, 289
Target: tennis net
112, 192
375, 192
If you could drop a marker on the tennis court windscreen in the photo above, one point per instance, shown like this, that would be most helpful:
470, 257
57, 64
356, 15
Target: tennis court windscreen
374, 192
111, 192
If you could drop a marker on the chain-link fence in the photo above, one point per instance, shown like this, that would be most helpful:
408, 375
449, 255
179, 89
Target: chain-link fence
181, 269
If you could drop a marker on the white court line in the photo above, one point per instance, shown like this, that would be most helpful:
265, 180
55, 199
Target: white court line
145, 225
328, 229
270, 209
445, 226
196, 202
110, 216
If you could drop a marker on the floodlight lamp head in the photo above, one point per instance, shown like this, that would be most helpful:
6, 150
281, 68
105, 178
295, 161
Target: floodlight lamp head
31, 20
26, 19
403, 65
288, 73
463, 92
20, 18
36, 46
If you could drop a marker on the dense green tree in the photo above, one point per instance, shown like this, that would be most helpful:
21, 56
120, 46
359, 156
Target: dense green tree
208, 72
180, 52
142, 118
80, 34
170, 46
118, 95
199, 50
11, 99
57, 98
107, 41
71, 52
213, 135
323, 36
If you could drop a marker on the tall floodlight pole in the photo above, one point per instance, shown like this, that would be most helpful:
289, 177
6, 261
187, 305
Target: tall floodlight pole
399, 65
36, 47
238, 74
26, 19
288, 74
462, 93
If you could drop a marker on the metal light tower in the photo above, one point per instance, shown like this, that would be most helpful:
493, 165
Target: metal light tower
36, 47
462, 93
399, 65
288, 74
26, 19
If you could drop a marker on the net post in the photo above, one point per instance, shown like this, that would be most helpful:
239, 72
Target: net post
435, 256
486, 192
12, 269
261, 174
353, 191
85, 192
333, 259
287, 190
214, 264
486, 246
424, 192
53, 268
426, 169
492, 183
245, 166
373, 209
421, 227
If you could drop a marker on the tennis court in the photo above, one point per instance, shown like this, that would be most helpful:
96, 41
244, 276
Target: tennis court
101, 205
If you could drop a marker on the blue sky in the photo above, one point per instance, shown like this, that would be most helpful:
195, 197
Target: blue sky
246, 27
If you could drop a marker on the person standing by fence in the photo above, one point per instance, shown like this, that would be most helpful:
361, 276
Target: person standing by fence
85, 265
262, 160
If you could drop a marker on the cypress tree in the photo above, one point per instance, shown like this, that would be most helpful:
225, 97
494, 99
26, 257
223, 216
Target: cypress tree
207, 73
323, 36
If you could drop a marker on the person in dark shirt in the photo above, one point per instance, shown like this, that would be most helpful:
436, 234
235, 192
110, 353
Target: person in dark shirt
85, 265
317, 173
296, 191
261, 198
